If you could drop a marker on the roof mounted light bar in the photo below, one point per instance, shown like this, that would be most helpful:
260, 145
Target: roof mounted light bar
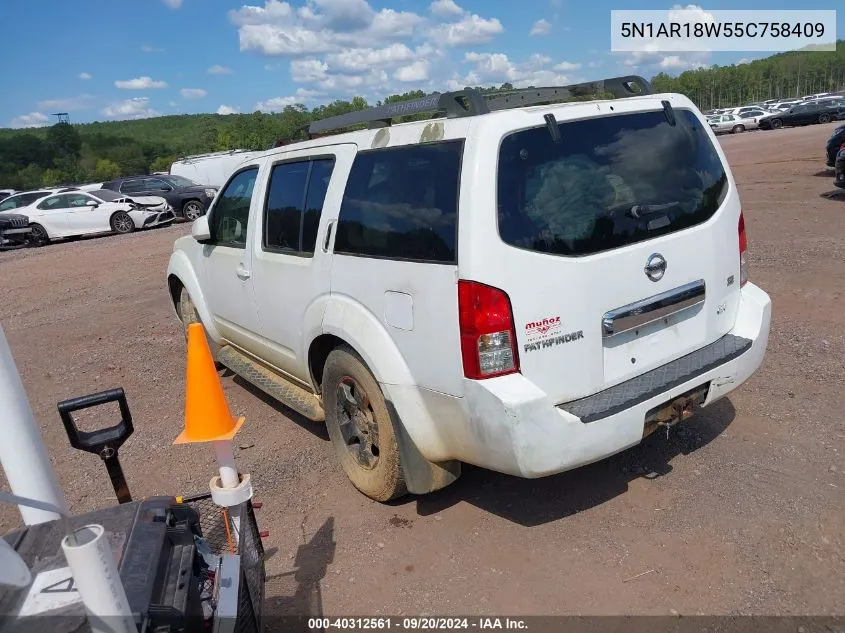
471, 102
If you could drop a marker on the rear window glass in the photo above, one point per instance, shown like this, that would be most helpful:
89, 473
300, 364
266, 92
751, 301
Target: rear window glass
609, 182
402, 203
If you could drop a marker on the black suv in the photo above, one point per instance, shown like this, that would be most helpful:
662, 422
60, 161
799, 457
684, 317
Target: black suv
188, 199
805, 114
835, 143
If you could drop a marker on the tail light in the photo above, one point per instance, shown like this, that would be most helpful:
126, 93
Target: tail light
743, 248
842, 146
488, 338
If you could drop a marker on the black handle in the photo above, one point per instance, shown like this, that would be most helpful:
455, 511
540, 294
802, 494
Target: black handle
103, 442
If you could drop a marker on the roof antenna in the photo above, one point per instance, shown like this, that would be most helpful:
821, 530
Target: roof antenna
554, 130
669, 112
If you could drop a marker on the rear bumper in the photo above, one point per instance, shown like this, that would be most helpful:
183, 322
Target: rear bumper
511, 426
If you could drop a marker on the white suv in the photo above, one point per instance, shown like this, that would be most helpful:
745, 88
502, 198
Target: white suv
527, 288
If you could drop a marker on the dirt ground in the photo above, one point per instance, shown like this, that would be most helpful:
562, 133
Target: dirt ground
741, 510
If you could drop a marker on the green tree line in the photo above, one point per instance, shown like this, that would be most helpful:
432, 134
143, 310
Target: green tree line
93, 152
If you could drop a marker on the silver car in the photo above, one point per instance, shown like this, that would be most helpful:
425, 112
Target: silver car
736, 123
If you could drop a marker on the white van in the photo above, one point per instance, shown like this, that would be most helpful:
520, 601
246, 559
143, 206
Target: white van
210, 169
524, 286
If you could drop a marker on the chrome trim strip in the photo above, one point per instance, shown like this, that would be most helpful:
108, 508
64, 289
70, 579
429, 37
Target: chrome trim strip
653, 309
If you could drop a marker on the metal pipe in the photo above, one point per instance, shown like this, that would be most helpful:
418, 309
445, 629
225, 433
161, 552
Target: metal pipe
22, 451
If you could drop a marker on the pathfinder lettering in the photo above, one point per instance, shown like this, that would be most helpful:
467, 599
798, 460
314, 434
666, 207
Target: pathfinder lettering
557, 340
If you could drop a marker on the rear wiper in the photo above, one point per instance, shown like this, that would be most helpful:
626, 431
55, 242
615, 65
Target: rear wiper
639, 210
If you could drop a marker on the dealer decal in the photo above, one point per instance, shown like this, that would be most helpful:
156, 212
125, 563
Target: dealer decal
546, 333
554, 340
539, 329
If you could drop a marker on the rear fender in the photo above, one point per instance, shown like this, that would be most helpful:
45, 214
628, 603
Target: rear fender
420, 442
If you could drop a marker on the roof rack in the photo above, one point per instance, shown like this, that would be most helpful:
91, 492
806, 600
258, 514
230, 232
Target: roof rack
472, 102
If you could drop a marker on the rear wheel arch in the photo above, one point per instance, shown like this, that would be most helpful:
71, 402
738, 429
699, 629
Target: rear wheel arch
318, 354
417, 474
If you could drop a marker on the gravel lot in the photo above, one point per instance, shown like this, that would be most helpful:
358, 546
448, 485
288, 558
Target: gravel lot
739, 511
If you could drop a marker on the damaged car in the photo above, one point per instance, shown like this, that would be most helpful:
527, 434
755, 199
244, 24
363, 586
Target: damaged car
74, 213
14, 230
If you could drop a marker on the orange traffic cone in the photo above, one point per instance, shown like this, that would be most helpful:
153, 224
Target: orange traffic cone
207, 415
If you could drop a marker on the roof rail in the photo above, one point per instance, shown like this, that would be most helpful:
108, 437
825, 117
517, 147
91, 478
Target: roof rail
472, 102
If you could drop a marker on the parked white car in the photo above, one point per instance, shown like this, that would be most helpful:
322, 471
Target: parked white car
521, 286
72, 213
731, 123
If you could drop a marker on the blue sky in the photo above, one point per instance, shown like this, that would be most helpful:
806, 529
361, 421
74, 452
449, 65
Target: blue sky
123, 59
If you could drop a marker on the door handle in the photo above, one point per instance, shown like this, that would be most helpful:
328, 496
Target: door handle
328, 239
243, 273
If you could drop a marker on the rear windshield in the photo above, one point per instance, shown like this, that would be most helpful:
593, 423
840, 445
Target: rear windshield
609, 182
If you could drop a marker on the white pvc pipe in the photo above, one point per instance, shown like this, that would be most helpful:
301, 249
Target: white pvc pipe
226, 461
22, 451
228, 477
95, 575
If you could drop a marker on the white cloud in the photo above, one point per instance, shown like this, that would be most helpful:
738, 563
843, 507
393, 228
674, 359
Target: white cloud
277, 104
84, 76
69, 104
363, 59
140, 83
651, 60
172, 104
217, 69
224, 109
308, 70
321, 26
445, 8
541, 27
33, 119
193, 93
564, 66
173, 4
471, 29
135, 108
692, 13
418, 71
146, 48
497, 68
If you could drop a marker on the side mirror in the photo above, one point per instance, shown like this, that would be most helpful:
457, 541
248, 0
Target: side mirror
92, 203
165, 188
200, 230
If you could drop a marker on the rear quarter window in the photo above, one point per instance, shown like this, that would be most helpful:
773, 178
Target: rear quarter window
610, 182
402, 203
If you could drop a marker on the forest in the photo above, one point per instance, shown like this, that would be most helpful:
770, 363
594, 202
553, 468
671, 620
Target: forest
93, 152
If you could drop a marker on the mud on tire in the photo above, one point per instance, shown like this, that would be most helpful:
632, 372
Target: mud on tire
360, 427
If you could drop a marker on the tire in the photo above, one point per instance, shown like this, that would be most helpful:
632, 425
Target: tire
187, 315
187, 311
824, 118
121, 222
737, 128
192, 209
355, 414
777, 124
38, 237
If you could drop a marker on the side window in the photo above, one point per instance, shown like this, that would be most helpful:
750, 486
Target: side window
230, 215
283, 210
402, 203
154, 184
294, 204
10, 203
54, 202
131, 186
77, 200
